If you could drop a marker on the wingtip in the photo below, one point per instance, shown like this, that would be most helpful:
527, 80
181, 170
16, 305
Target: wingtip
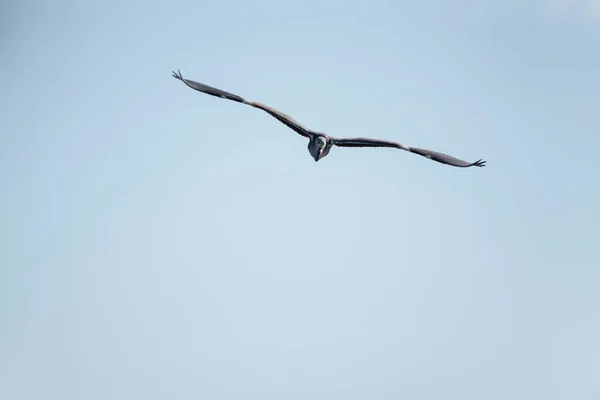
177, 75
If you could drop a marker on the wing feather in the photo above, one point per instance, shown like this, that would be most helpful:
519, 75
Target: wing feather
280, 116
432, 155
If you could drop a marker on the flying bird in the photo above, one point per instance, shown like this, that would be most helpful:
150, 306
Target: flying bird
319, 143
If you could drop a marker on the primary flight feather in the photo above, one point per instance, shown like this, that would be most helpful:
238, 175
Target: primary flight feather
320, 143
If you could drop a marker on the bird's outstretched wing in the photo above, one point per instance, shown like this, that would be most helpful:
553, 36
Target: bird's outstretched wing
432, 155
282, 117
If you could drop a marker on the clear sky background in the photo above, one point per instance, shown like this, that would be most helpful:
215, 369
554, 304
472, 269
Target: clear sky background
159, 243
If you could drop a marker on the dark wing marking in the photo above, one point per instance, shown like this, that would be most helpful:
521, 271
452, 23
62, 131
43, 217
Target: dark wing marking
281, 117
432, 155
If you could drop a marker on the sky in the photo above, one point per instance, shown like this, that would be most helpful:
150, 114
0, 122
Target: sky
156, 242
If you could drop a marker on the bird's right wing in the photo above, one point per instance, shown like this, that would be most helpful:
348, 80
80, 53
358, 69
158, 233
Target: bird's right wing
281, 117
432, 155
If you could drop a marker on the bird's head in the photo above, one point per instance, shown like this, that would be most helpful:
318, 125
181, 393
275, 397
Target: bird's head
319, 146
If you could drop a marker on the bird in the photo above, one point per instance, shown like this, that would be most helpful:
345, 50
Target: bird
319, 143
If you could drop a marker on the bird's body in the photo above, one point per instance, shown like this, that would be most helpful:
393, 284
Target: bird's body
319, 144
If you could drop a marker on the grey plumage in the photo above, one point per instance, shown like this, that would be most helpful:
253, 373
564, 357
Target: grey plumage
320, 143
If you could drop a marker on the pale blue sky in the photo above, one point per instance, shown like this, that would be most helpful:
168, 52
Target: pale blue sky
159, 243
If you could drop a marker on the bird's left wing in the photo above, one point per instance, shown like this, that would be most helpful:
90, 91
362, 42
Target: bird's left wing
432, 155
281, 117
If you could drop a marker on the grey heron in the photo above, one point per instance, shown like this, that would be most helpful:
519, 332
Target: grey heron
319, 144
